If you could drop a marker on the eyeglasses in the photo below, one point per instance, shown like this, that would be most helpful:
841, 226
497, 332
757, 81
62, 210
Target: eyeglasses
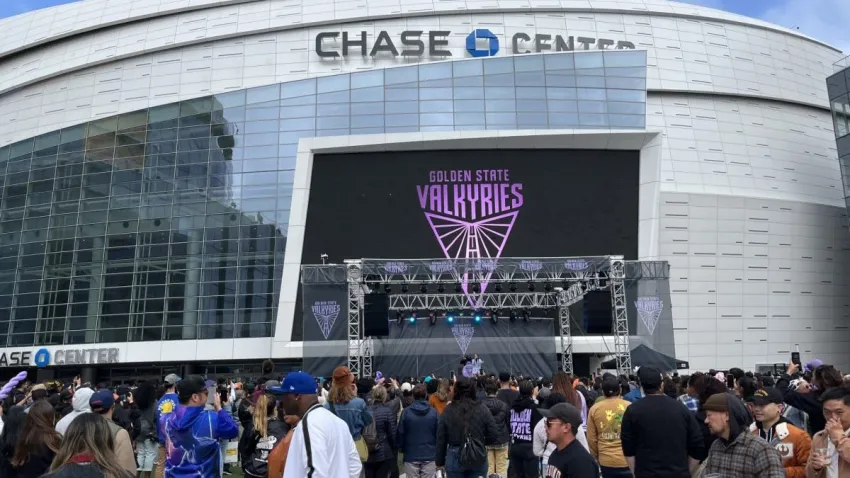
551, 421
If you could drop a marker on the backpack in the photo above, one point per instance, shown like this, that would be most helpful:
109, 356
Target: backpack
472, 452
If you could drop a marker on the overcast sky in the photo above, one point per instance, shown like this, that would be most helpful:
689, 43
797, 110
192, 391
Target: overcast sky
826, 20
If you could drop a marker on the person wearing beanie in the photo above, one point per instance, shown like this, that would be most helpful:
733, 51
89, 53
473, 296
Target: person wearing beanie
737, 452
661, 437
792, 443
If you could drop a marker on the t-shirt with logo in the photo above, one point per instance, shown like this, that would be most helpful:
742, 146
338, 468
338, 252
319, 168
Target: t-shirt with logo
165, 406
573, 461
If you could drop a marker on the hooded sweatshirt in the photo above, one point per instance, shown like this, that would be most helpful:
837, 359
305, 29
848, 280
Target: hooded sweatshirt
524, 417
417, 432
192, 446
80, 403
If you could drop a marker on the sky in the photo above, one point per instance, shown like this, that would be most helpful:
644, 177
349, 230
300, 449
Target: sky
825, 20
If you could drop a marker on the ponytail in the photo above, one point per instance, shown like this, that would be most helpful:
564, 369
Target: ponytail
263, 410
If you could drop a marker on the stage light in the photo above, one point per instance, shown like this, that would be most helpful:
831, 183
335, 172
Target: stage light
526, 316
547, 286
387, 289
450, 319
531, 286
441, 288
399, 318
458, 288
476, 288
498, 287
477, 319
423, 288
513, 287
404, 288
412, 319
432, 318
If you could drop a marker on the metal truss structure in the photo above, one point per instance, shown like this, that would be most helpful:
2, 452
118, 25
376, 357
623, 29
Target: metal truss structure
577, 275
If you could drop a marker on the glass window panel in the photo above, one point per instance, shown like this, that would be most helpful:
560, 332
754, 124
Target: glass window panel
433, 71
592, 107
469, 118
494, 66
467, 68
375, 108
299, 88
590, 81
468, 82
328, 84
260, 114
333, 97
402, 119
367, 94
395, 76
627, 121
300, 124
260, 139
634, 72
45, 141
305, 111
532, 105
591, 93
332, 122
472, 93
506, 79
495, 92
367, 79
299, 101
333, 110
588, 119
435, 106
394, 107
530, 93
625, 83
402, 94
263, 94
531, 79
627, 108
626, 95
589, 60
21, 149
367, 121
500, 105
531, 120
563, 119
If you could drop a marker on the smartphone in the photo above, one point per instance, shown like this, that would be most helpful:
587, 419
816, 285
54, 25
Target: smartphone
453, 374
795, 356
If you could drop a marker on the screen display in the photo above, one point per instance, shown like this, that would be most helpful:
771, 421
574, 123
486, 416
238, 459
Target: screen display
472, 203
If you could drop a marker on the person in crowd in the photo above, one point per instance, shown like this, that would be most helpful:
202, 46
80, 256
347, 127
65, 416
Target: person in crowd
440, 399
417, 436
745, 388
122, 396
192, 433
87, 451
464, 418
506, 393
660, 437
603, 431
806, 397
103, 403
265, 432
691, 397
144, 429
80, 403
542, 447
737, 452
497, 453
476, 363
792, 443
562, 384
830, 457
350, 408
13, 424
524, 416
587, 392
278, 455
570, 459
38, 442
636, 392
382, 458
407, 395
705, 390
165, 406
322, 445
668, 387
64, 406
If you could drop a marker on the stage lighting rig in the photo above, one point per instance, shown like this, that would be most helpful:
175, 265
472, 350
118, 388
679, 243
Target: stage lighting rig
531, 286
412, 318
498, 287
387, 288
441, 288
476, 288
458, 288
399, 318
432, 318
423, 288
513, 317
547, 286
513, 287
404, 288
494, 316
526, 316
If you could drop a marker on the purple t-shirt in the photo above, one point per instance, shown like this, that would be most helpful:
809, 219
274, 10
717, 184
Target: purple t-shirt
468, 370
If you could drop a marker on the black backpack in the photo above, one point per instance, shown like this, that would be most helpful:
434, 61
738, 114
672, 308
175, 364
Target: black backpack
472, 452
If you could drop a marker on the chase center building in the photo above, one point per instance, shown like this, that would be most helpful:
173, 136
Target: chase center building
157, 166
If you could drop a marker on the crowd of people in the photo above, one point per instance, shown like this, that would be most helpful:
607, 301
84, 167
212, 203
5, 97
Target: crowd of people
714, 424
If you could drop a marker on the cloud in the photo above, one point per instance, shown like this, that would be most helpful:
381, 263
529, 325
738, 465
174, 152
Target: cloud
825, 20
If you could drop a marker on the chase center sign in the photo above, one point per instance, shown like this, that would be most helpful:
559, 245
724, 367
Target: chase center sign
480, 42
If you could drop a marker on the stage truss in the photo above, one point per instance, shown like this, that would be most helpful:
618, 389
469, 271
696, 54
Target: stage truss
568, 280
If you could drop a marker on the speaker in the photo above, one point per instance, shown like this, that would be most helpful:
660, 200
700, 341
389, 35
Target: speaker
376, 310
597, 312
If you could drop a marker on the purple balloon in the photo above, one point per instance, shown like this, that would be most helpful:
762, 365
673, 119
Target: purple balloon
4, 392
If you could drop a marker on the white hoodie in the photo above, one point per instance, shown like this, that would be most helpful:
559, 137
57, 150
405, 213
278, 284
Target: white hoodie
80, 403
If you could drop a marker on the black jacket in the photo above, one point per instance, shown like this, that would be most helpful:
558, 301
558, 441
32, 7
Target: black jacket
81, 471
37, 465
417, 432
524, 417
501, 417
451, 430
386, 424
244, 414
807, 402
144, 425
121, 416
254, 450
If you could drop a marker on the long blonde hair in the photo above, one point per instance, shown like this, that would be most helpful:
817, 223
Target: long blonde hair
443, 390
341, 392
264, 409
89, 433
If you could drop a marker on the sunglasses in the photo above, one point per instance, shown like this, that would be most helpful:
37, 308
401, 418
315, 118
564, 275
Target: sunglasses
552, 421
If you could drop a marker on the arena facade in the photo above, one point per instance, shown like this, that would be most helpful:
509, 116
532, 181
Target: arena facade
157, 160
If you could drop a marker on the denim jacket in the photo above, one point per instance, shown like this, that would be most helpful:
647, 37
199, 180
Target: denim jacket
355, 413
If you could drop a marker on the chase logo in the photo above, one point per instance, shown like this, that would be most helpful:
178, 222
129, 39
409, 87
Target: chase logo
482, 34
42, 358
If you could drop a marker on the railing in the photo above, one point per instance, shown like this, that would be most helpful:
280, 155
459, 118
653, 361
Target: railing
841, 64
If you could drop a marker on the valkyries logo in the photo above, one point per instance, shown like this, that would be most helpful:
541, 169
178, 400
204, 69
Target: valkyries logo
325, 312
480, 42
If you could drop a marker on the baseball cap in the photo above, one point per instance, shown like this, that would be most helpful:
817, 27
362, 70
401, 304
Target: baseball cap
718, 402
767, 395
189, 386
296, 382
39, 386
428, 379
610, 386
101, 401
564, 412
172, 379
649, 377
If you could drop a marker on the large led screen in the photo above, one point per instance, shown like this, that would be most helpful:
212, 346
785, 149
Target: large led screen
472, 203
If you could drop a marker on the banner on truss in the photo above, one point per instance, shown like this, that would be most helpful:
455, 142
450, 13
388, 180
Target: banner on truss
650, 312
325, 325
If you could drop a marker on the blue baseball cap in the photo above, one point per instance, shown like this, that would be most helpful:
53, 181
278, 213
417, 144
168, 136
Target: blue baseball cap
102, 401
296, 382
